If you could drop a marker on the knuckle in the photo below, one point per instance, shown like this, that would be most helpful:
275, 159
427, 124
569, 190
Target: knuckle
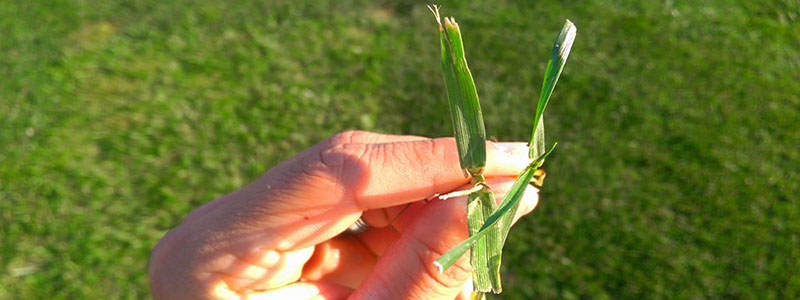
332, 158
346, 137
339, 138
345, 164
341, 156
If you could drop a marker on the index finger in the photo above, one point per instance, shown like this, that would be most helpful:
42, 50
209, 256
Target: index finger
386, 174
322, 191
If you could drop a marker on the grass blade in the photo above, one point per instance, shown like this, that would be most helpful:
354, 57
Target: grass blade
510, 203
479, 206
470, 133
479, 255
558, 57
462, 97
537, 139
494, 241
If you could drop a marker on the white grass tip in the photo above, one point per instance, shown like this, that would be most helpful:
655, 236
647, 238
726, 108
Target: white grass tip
435, 10
566, 37
439, 266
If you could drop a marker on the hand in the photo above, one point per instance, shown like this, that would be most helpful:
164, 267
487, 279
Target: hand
285, 235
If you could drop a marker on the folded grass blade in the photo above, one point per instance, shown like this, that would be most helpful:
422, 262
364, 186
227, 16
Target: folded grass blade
558, 57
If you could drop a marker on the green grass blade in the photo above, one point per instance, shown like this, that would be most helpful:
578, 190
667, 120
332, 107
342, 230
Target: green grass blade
558, 57
494, 245
479, 256
537, 145
510, 203
462, 98
479, 206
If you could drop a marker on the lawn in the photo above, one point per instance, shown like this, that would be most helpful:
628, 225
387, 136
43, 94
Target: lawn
678, 125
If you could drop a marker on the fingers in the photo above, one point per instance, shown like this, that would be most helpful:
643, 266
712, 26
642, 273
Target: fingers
348, 259
303, 291
313, 198
342, 260
406, 270
244, 276
316, 195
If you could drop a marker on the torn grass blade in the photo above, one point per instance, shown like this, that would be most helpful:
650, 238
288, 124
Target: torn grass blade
470, 133
509, 204
558, 57
462, 97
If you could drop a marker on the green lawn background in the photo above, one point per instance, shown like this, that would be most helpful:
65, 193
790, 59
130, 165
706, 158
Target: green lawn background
678, 125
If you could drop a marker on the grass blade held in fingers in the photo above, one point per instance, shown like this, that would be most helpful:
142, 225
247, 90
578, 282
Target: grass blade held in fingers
479, 258
470, 133
479, 206
510, 202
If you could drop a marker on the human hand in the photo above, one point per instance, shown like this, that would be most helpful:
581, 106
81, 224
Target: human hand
285, 235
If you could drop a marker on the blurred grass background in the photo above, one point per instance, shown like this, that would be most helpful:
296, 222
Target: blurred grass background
678, 123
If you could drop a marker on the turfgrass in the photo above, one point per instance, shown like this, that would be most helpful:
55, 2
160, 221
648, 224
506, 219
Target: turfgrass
676, 174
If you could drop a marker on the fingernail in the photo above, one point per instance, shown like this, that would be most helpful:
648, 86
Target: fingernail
513, 148
512, 154
529, 200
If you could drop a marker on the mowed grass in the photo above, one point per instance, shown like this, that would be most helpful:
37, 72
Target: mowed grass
678, 126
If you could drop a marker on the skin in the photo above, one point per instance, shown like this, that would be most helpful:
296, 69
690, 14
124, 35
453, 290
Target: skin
285, 235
